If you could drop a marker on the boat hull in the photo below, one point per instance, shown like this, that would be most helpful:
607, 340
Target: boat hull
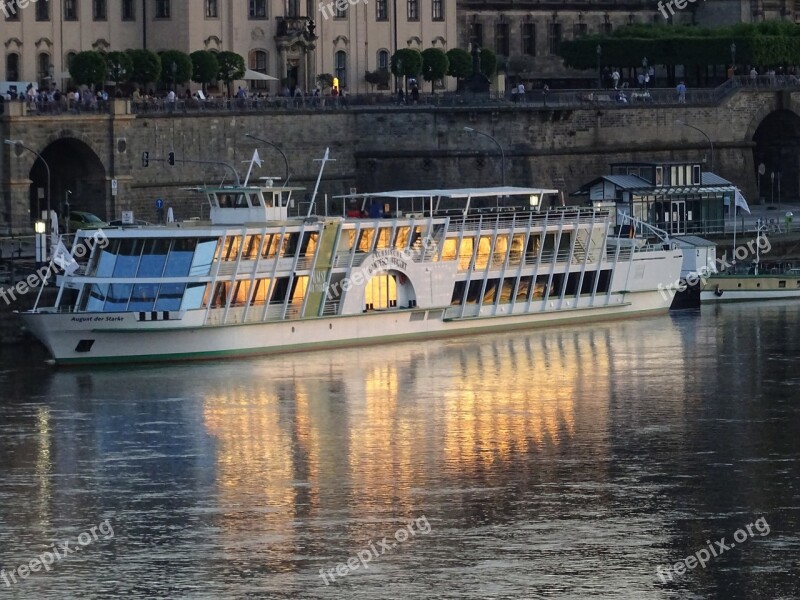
119, 338
749, 288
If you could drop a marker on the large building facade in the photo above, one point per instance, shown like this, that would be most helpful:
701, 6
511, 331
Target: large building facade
292, 40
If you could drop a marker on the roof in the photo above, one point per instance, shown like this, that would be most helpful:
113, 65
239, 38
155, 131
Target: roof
714, 179
627, 182
694, 241
711, 183
456, 193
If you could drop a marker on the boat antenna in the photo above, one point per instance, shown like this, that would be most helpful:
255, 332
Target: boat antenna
325, 159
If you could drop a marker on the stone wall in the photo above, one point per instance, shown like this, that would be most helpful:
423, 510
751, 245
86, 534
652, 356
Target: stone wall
377, 149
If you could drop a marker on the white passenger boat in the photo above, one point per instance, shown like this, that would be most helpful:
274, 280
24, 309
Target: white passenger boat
404, 264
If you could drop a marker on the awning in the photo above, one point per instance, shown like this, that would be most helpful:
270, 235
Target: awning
251, 75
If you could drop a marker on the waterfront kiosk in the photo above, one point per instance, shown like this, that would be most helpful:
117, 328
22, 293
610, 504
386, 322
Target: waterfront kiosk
677, 197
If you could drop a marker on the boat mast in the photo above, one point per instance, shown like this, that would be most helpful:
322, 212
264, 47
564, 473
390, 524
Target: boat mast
324, 160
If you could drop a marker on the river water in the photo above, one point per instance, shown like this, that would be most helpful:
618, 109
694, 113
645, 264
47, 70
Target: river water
570, 462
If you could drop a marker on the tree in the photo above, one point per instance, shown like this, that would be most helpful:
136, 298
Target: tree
325, 81
459, 63
434, 65
205, 67
231, 68
119, 67
407, 62
379, 78
146, 66
176, 67
88, 68
488, 62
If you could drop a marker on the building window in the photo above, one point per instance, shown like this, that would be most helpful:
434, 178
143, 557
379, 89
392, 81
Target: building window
383, 60
501, 39
70, 10
412, 8
476, 35
259, 60
258, 9
99, 10
554, 37
12, 67
340, 12
11, 12
162, 9
529, 39
381, 11
579, 30
128, 10
340, 60
293, 8
44, 67
438, 10
212, 11
42, 11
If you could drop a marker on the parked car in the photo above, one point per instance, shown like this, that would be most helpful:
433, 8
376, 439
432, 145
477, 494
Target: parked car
79, 219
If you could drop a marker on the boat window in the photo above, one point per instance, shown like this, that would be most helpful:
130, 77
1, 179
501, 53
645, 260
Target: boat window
384, 236
604, 281
180, 257
220, 297
500, 250
118, 296
240, 290
128, 258
524, 288
143, 297
96, 298
271, 246
588, 283
474, 291
203, 257
290, 243
280, 291
484, 249
170, 296
380, 292
251, 246
540, 289
465, 253
300, 287
194, 295
260, 293
572, 284
241, 201
255, 199
226, 201
491, 291
108, 258
154, 257
231, 250
365, 239
401, 238
449, 249
346, 240
309, 245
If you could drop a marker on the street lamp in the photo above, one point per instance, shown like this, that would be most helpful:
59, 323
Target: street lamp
19, 144
710, 143
285, 160
599, 76
502, 154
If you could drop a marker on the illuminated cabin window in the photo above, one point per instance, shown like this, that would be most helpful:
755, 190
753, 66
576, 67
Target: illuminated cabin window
272, 245
500, 250
230, 250
483, 251
365, 240
384, 236
309, 245
300, 288
252, 244
465, 253
401, 238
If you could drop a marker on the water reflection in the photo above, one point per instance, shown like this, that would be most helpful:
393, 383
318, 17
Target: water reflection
610, 448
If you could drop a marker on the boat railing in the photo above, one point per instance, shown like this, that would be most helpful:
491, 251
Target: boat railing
330, 308
520, 219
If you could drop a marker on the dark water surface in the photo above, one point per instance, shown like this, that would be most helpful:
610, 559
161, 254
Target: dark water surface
562, 463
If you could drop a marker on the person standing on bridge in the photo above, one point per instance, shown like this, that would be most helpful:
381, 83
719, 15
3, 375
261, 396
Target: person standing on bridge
681, 89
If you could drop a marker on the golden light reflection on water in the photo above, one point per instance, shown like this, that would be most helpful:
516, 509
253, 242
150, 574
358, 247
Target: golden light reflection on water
44, 463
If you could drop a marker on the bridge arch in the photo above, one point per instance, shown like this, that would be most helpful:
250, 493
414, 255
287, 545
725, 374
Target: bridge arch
777, 147
76, 168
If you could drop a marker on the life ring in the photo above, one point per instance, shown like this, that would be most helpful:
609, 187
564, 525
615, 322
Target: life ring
717, 291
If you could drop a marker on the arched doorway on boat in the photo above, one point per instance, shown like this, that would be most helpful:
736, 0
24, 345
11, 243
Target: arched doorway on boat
386, 290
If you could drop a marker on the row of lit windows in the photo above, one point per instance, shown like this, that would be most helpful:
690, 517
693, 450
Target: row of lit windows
502, 291
260, 292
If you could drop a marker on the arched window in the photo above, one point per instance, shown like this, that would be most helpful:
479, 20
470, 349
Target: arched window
383, 60
12, 67
68, 62
340, 62
44, 67
259, 59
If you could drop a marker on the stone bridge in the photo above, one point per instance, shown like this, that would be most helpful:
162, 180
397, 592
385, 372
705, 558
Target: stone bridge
378, 148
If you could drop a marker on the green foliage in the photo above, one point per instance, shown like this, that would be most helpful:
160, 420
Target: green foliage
407, 62
380, 78
204, 67
325, 81
488, 62
434, 65
181, 72
146, 66
459, 63
119, 66
88, 68
767, 43
231, 67
516, 65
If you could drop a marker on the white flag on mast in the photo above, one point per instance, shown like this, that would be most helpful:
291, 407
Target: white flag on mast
256, 157
63, 259
740, 202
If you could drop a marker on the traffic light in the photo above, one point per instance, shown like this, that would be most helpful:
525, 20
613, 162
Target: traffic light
145, 159
171, 159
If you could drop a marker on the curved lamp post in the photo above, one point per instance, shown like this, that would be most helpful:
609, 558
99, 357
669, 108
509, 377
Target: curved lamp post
285, 160
710, 143
19, 144
502, 154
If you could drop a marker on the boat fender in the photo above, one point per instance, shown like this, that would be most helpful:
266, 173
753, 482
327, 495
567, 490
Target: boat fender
717, 292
